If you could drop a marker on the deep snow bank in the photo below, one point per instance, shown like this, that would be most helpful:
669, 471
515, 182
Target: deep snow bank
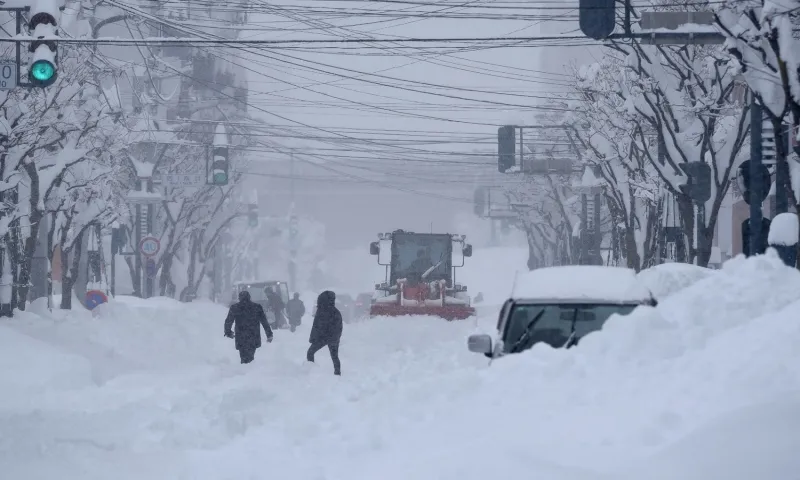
645, 381
174, 404
665, 279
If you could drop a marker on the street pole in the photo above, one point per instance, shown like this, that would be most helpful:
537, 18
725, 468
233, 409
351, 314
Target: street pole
756, 216
291, 176
292, 230
782, 169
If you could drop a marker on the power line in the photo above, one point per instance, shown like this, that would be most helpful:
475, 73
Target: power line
200, 42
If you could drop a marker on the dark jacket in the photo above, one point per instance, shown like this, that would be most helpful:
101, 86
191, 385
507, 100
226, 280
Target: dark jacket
295, 311
275, 301
245, 317
327, 327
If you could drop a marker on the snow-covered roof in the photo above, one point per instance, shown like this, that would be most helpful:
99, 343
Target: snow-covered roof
581, 282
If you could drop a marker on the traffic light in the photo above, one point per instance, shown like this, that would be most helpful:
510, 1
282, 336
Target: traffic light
597, 18
761, 183
698, 185
42, 26
252, 215
219, 166
506, 147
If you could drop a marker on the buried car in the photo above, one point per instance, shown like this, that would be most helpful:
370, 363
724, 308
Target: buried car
560, 305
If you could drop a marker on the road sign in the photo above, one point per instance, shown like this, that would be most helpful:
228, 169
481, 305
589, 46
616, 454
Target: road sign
150, 268
745, 182
149, 246
8, 76
95, 298
183, 179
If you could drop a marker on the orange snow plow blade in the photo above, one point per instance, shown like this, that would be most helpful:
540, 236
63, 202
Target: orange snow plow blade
448, 312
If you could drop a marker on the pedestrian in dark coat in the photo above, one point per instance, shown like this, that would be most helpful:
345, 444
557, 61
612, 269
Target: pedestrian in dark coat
276, 305
326, 330
295, 311
245, 317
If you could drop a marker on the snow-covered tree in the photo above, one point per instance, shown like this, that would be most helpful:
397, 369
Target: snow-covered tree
48, 137
618, 146
548, 212
762, 36
682, 95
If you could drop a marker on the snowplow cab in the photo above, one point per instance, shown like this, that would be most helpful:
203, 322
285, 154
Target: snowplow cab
421, 275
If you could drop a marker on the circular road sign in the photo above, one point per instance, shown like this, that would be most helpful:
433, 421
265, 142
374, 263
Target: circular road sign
95, 298
149, 246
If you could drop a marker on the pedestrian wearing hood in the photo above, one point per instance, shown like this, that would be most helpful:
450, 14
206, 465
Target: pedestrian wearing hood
245, 317
326, 330
295, 311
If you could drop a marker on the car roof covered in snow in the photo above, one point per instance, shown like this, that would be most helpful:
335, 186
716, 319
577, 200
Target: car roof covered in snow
581, 283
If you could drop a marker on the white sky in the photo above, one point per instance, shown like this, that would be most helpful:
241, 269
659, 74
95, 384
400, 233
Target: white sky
420, 154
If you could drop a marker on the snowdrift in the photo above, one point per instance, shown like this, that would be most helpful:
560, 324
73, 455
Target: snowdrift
665, 279
152, 390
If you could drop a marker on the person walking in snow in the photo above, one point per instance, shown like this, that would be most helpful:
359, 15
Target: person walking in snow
295, 311
244, 319
276, 305
326, 330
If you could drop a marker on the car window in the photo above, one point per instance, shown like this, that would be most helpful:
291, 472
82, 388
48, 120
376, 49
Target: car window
553, 324
345, 298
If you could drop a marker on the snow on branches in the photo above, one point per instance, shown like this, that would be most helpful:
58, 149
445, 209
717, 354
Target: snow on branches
763, 36
681, 96
58, 150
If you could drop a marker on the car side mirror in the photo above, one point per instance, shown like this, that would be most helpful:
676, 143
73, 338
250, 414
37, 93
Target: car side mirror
374, 248
467, 250
480, 343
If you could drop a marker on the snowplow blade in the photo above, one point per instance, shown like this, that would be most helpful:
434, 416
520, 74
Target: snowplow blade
448, 312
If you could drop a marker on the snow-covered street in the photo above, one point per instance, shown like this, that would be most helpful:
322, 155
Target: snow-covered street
704, 385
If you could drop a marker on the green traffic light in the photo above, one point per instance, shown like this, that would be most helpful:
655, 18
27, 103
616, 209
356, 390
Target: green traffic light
220, 178
43, 71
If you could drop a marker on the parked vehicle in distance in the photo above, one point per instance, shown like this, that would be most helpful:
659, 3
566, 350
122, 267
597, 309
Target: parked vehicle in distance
258, 294
363, 301
561, 305
346, 305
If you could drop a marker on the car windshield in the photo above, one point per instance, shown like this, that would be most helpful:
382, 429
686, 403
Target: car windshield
554, 324
345, 298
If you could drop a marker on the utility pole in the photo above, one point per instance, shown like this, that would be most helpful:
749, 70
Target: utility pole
292, 228
291, 177
756, 182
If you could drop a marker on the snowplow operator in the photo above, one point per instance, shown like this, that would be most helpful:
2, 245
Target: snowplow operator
419, 266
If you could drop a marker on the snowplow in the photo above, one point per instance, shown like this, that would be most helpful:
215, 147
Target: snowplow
421, 275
